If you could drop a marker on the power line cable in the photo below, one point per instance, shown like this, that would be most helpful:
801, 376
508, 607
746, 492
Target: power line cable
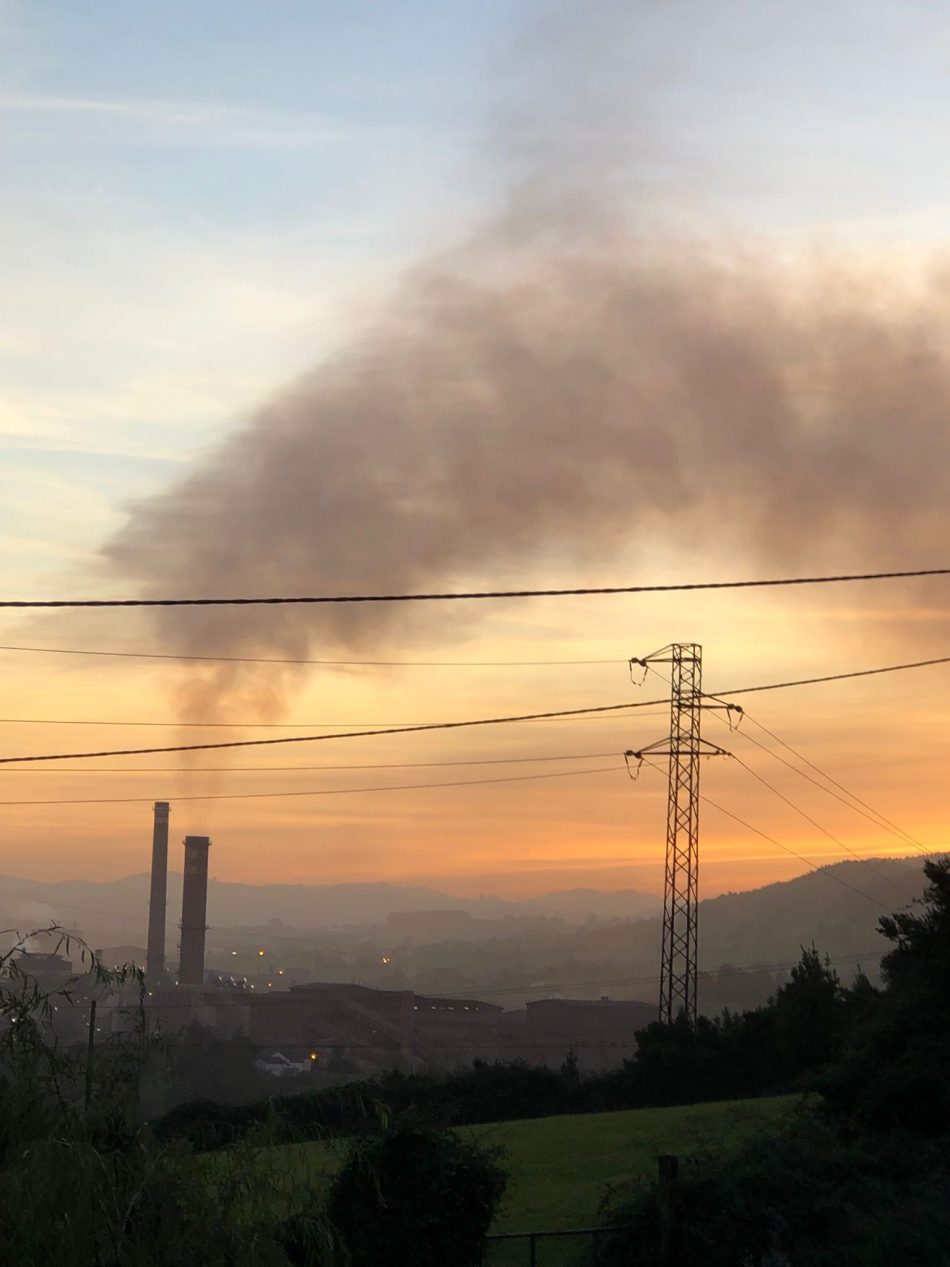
860, 806
870, 815
824, 830
831, 836
388, 664
574, 714
647, 980
788, 801
771, 839
801, 858
473, 594
479, 995
765, 836
489, 721
56, 903
284, 769
353, 734
464, 994
336, 791
830, 677
248, 725
423, 1046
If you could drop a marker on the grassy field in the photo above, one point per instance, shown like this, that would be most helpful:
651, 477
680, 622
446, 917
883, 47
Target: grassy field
561, 1167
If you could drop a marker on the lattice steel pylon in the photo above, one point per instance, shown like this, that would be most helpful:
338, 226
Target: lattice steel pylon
684, 746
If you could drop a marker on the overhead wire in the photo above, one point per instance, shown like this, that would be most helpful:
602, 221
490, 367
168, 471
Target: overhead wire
772, 840
353, 734
871, 815
486, 994
386, 664
654, 978
775, 791
285, 769
830, 677
860, 806
251, 725
445, 596
489, 993
579, 714
337, 791
490, 721
524, 989
823, 870
824, 830
602, 709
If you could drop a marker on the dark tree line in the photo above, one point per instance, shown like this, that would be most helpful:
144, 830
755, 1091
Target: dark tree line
762, 1051
861, 1177
84, 1179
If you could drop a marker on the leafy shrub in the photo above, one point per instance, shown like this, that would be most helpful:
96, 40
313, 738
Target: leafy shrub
805, 1198
412, 1197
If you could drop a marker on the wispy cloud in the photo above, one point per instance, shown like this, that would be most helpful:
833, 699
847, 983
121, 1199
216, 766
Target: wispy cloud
195, 122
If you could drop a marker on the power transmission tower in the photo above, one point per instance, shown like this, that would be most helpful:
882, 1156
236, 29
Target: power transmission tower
684, 746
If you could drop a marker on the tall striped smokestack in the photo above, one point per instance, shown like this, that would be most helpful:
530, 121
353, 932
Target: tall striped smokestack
194, 910
155, 952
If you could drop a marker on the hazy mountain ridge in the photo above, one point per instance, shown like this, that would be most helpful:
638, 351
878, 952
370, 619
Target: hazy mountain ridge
837, 908
124, 903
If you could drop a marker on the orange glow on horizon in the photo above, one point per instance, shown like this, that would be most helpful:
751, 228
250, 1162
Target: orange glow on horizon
526, 835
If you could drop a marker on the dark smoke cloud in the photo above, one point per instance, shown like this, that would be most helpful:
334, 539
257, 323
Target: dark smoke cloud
564, 386
570, 398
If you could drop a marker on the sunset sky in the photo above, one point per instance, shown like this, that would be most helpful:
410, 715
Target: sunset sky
199, 204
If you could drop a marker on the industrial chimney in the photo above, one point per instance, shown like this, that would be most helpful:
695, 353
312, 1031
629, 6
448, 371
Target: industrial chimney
194, 909
155, 953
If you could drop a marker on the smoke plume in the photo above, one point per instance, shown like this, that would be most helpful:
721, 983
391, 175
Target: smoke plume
562, 398
562, 385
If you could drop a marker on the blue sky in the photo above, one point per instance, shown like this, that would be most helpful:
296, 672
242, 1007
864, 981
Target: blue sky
198, 200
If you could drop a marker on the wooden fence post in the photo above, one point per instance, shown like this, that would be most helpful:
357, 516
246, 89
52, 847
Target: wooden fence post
669, 1169
90, 1049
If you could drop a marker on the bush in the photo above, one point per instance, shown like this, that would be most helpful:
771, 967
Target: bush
486, 1092
805, 1198
413, 1197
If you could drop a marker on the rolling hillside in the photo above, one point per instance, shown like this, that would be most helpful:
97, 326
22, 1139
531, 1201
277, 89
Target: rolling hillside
561, 1168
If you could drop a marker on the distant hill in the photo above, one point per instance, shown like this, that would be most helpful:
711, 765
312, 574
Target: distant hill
578, 905
120, 905
837, 908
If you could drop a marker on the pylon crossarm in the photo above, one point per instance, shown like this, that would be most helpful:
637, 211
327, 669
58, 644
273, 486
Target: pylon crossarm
702, 749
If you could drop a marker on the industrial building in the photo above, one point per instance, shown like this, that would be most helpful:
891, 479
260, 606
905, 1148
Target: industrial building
374, 1029
371, 1029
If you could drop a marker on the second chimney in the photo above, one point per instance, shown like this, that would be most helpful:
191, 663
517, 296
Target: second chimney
194, 910
155, 954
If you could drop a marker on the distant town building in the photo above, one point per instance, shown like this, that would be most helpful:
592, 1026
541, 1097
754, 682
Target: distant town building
428, 926
375, 1029
49, 971
280, 1066
121, 956
224, 1011
370, 1030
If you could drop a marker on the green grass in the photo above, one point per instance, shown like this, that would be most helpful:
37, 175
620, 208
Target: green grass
560, 1168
